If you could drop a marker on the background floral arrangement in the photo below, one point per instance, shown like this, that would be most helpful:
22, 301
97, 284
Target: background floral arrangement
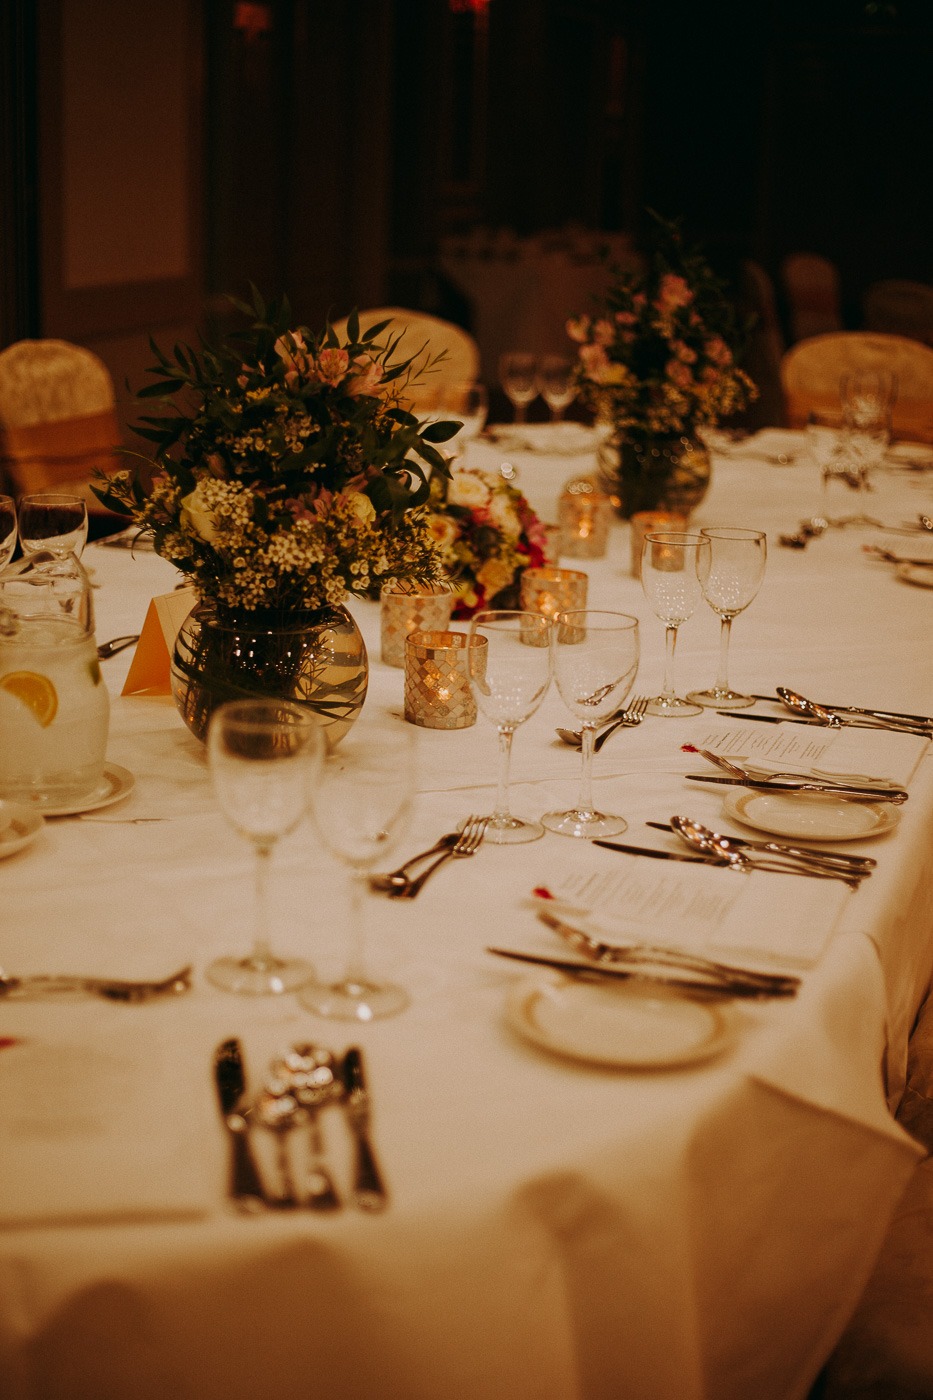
659, 357
487, 535
289, 470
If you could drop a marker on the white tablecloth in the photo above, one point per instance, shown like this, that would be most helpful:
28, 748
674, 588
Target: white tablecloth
556, 1230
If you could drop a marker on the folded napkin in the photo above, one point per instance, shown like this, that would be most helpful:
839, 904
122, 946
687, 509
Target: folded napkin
100, 1131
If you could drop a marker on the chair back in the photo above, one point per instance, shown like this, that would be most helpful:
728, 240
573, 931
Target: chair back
900, 307
812, 369
425, 336
811, 286
57, 417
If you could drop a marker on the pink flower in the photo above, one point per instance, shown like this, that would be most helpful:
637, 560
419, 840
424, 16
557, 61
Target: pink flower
595, 360
293, 353
332, 365
683, 352
718, 351
366, 378
673, 293
626, 318
603, 333
578, 328
679, 373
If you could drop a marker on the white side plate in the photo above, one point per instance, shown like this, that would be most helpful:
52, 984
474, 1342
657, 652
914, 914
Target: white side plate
115, 784
810, 816
18, 827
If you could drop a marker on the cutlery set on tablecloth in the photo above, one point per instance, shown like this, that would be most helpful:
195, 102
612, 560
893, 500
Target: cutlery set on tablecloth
298, 1086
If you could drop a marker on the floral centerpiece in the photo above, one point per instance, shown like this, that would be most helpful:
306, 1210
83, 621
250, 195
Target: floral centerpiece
656, 364
286, 473
487, 535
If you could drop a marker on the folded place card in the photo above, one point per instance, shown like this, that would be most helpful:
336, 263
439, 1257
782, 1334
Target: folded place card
149, 670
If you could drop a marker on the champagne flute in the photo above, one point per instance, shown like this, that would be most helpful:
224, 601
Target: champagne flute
518, 377
671, 566
7, 529
730, 574
361, 805
556, 384
54, 521
509, 675
595, 662
263, 756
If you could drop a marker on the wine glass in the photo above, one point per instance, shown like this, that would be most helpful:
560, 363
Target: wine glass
672, 562
263, 756
730, 574
469, 403
509, 675
518, 377
53, 521
556, 384
361, 805
867, 397
7, 529
595, 661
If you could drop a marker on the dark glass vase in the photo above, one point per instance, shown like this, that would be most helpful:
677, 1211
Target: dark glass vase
317, 659
654, 473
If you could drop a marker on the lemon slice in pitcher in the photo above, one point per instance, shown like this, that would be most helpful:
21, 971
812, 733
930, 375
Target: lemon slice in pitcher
35, 691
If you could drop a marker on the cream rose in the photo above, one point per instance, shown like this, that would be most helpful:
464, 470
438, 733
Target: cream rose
197, 518
468, 490
361, 506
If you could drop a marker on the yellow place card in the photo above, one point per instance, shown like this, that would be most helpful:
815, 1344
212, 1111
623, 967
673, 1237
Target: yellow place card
149, 671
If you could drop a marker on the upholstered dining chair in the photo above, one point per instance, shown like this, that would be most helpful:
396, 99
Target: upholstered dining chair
900, 307
811, 371
811, 288
886, 1352
419, 330
57, 418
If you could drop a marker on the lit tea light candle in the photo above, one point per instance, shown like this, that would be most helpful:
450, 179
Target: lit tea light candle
438, 694
408, 607
550, 591
650, 522
585, 512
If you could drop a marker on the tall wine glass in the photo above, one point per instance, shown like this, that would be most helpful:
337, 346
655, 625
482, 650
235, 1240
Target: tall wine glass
509, 675
518, 377
263, 756
730, 574
672, 563
55, 521
361, 805
7, 529
556, 384
595, 662
468, 402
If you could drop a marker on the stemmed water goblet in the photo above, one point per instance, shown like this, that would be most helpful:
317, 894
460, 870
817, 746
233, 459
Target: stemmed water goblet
361, 805
595, 662
469, 403
7, 529
518, 377
867, 397
556, 384
672, 564
55, 521
509, 660
263, 757
730, 574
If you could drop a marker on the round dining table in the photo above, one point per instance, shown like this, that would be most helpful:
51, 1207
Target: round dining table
561, 1223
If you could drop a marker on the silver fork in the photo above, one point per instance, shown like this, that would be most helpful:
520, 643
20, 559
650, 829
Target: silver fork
624, 719
398, 879
467, 844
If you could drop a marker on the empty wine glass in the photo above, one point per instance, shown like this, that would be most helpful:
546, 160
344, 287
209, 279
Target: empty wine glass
7, 529
671, 565
730, 574
263, 756
54, 521
867, 397
595, 662
518, 377
361, 805
509, 675
556, 384
469, 403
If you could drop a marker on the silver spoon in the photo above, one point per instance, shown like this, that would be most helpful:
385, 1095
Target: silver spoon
624, 719
310, 1071
278, 1110
844, 861
703, 839
801, 705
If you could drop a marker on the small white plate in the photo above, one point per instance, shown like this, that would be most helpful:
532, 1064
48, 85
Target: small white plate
115, 784
18, 827
921, 574
627, 1026
811, 816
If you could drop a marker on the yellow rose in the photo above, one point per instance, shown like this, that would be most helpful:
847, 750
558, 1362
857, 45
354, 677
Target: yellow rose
196, 518
361, 506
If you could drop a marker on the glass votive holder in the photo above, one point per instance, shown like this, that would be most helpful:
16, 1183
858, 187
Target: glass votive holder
438, 694
585, 512
408, 607
649, 522
550, 591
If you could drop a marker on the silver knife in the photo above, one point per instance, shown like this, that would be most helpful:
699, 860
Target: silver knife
599, 972
851, 709
892, 794
369, 1190
246, 1188
785, 719
658, 855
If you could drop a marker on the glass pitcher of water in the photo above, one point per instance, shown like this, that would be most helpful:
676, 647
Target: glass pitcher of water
54, 707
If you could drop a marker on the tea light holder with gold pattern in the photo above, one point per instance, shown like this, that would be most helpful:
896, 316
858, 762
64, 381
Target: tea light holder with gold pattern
408, 607
552, 591
437, 685
584, 512
649, 522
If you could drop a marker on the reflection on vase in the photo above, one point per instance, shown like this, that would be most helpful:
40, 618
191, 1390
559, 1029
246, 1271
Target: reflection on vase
317, 659
661, 473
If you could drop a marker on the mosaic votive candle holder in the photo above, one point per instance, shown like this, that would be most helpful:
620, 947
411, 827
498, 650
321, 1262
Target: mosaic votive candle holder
551, 591
407, 608
650, 522
585, 513
438, 694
